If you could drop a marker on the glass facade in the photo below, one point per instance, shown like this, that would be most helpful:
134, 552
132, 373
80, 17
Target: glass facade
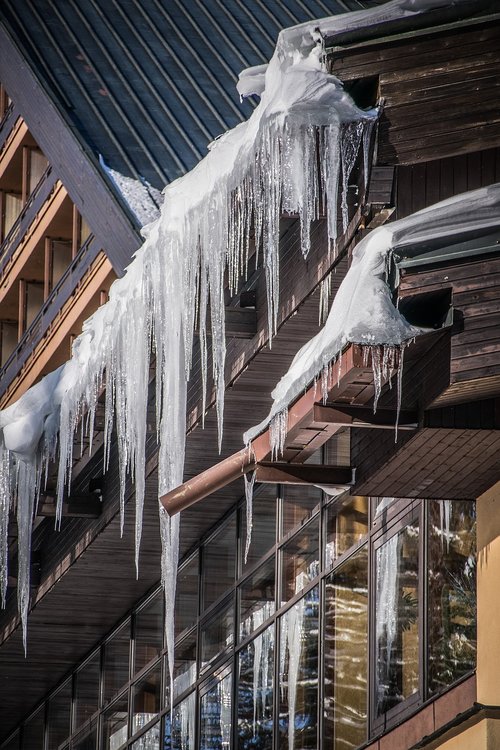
348, 614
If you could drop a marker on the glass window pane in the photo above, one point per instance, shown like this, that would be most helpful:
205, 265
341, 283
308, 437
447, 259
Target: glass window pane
87, 691
217, 634
397, 618
146, 699
114, 724
219, 563
346, 653
300, 561
346, 524
185, 665
299, 502
263, 535
38, 165
452, 591
87, 740
116, 662
59, 716
215, 719
182, 734
150, 740
257, 597
186, 596
148, 635
298, 678
255, 693
33, 731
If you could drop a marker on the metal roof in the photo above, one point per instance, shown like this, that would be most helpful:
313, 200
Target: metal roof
147, 84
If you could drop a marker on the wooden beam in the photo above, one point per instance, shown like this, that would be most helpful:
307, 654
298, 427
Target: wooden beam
284, 473
77, 506
344, 415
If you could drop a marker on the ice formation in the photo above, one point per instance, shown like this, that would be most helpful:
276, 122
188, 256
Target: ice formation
291, 155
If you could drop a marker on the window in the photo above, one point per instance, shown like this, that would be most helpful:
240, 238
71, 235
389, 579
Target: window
333, 632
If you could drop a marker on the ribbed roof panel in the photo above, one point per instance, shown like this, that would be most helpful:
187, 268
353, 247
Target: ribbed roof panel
148, 84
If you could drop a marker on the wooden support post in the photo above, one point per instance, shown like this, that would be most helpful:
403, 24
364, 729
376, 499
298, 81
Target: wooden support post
25, 175
21, 309
47, 269
76, 232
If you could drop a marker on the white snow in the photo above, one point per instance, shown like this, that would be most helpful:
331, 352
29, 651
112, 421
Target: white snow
142, 198
253, 172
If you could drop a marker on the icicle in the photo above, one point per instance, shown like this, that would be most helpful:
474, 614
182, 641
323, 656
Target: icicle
324, 298
399, 388
376, 352
169, 534
27, 482
387, 573
445, 509
4, 522
350, 142
249, 485
277, 434
291, 637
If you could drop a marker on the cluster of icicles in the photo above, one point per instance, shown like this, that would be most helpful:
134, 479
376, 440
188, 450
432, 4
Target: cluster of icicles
177, 275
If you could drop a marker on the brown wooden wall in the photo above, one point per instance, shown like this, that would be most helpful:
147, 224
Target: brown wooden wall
441, 93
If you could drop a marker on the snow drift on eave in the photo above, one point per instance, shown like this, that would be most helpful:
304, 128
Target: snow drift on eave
252, 173
363, 311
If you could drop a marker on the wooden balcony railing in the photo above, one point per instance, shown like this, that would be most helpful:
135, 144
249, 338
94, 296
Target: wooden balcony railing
60, 294
28, 214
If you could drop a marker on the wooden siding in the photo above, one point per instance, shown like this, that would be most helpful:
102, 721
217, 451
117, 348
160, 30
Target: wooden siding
440, 93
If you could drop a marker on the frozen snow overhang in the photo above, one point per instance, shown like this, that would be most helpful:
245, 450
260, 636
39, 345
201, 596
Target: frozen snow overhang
437, 14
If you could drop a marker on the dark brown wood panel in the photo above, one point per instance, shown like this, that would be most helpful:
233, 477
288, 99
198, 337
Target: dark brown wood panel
440, 95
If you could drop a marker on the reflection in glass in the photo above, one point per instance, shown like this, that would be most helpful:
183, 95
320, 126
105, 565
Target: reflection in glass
182, 736
87, 690
300, 561
263, 525
59, 716
184, 665
347, 524
219, 563
148, 634
116, 662
346, 653
255, 693
257, 598
452, 591
217, 634
114, 724
146, 700
186, 596
215, 717
150, 740
299, 502
298, 676
397, 618
33, 732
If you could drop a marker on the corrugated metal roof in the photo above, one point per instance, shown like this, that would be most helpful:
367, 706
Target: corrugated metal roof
148, 84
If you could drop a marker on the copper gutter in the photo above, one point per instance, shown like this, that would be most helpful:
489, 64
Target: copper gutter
300, 414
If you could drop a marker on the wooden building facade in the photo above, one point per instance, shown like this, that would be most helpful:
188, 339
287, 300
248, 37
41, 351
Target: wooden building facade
366, 618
